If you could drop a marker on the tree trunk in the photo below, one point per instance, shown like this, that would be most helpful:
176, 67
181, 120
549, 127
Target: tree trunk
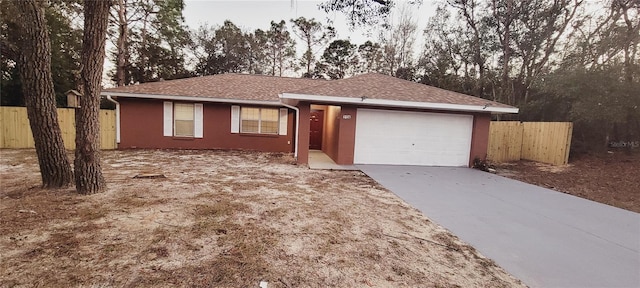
275, 59
506, 53
629, 49
309, 56
88, 174
122, 40
145, 50
34, 63
280, 64
504, 35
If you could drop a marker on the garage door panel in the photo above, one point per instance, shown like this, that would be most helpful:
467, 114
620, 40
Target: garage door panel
412, 138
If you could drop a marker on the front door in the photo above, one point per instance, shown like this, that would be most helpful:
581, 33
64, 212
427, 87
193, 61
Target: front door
315, 130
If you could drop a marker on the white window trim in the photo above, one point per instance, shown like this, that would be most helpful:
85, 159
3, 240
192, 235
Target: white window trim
168, 119
235, 119
198, 121
284, 116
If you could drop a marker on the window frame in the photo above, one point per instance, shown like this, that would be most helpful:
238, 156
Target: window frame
168, 122
260, 121
193, 119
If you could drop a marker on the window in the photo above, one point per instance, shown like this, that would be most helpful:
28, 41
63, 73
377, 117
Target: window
272, 121
259, 120
183, 120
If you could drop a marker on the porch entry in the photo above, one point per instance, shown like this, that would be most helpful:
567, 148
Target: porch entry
331, 132
315, 129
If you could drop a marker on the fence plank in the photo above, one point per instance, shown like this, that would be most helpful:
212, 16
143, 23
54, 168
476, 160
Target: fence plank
108, 129
567, 145
505, 141
15, 131
547, 142
67, 120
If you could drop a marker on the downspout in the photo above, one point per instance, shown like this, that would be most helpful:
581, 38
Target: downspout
117, 118
295, 149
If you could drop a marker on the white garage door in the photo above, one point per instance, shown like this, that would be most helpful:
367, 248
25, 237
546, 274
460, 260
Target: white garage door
412, 138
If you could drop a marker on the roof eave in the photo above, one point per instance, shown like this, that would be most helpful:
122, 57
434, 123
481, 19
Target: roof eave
190, 98
400, 104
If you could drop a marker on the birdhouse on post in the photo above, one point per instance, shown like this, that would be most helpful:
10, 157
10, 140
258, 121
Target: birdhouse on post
73, 99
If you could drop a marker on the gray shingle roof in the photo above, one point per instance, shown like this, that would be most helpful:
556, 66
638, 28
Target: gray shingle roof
267, 88
222, 86
384, 87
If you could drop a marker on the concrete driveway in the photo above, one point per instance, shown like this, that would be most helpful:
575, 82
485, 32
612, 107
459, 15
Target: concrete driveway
543, 237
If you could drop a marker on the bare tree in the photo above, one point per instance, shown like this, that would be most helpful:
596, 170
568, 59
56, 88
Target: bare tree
313, 34
122, 18
629, 9
397, 41
121, 56
505, 13
405, 33
33, 52
389, 52
469, 10
444, 62
89, 178
544, 24
361, 12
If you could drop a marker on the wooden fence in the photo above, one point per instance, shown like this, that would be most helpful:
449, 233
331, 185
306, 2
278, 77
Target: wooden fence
546, 142
15, 131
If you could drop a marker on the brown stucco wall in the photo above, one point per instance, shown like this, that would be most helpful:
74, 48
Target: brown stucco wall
331, 128
480, 137
346, 136
338, 139
303, 145
343, 151
339, 134
141, 122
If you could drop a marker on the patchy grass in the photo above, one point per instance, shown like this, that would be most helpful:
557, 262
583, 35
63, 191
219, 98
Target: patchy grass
223, 218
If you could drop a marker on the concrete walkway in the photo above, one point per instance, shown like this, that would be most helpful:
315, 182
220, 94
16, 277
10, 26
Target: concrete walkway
320, 161
543, 237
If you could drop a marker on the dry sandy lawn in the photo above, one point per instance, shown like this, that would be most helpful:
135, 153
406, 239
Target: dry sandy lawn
223, 218
611, 178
